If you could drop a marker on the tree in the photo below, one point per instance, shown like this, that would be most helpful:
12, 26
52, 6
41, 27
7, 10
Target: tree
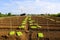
58, 15
42, 14
0, 14
53, 15
9, 14
23, 14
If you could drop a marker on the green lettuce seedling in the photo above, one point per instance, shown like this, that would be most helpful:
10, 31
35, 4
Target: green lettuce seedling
33, 26
31, 21
29, 18
12, 33
40, 35
39, 26
19, 33
21, 26
23, 23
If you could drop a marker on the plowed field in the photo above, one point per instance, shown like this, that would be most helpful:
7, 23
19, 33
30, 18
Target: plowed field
29, 28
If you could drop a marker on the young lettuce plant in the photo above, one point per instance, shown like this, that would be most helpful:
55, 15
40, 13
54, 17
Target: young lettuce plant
40, 35
11, 32
19, 33
33, 26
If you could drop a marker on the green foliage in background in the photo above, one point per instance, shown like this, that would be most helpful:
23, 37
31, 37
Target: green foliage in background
47, 14
7, 14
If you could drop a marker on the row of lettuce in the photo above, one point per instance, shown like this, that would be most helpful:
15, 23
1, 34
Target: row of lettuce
23, 26
33, 25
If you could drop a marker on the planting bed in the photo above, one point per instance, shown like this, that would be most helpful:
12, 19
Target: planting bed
4, 35
11, 22
48, 27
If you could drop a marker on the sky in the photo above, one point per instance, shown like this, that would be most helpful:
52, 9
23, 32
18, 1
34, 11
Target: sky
30, 6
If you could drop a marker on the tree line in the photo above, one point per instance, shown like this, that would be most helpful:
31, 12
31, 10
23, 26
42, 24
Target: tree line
54, 15
10, 14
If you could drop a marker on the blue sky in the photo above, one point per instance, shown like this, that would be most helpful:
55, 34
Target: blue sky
30, 6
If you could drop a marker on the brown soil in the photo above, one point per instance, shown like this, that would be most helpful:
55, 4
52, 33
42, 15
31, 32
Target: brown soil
50, 29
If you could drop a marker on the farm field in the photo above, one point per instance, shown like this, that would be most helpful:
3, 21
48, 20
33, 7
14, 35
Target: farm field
30, 28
